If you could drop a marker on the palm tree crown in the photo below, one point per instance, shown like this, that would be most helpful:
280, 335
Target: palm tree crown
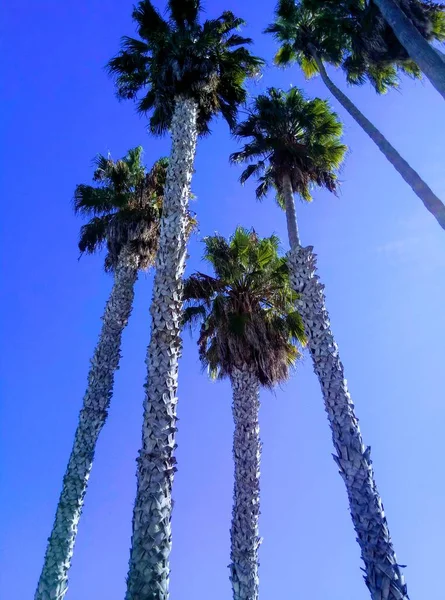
351, 34
247, 310
179, 56
125, 208
290, 135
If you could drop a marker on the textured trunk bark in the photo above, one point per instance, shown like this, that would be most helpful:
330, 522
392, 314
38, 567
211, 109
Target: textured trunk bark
383, 575
431, 202
246, 496
53, 582
149, 570
418, 48
291, 215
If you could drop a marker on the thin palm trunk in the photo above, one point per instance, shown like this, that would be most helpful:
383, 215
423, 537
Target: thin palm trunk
244, 536
149, 570
53, 582
431, 202
291, 215
418, 48
383, 575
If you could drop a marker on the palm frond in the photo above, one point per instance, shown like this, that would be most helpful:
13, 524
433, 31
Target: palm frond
247, 310
89, 200
287, 134
179, 56
93, 235
149, 21
126, 208
193, 315
184, 12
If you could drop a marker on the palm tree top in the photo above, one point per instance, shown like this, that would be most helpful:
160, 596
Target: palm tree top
299, 29
180, 56
289, 135
247, 311
351, 34
124, 207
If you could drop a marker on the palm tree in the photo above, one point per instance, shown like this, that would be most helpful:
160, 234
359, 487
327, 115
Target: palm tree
371, 52
249, 333
292, 144
407, 19
407, 27
306, 39
184, 73
125, 215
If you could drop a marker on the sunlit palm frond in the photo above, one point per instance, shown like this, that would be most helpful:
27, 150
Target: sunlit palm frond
287, 134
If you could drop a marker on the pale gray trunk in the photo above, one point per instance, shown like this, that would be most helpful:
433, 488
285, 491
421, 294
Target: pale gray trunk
149, 570
431, 202
53, 582
291, 215
418, 48
244, 537
383, 575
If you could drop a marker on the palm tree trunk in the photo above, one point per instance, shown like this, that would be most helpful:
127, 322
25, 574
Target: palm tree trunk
149, 570
418, 48
383, 575
246, 496
291, 215
431, 202
53, 582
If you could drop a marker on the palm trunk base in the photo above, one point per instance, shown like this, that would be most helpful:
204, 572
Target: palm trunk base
383, 574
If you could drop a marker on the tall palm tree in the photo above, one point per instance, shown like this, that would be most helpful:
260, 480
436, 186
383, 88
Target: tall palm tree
184, 73
371, 52
249, 331
125, 214
293, 144
306, 39
374, 52
416, 21
406, 18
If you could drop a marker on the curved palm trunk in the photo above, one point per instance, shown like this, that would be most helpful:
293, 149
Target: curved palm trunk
383, 575
418, 48
431, 202
148, 576
246, 496
53, 582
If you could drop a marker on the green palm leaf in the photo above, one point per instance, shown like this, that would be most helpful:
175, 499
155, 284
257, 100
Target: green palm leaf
207, 62
125, 208
287, 134
247, 310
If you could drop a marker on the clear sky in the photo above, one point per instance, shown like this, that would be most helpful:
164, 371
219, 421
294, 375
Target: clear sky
381, 256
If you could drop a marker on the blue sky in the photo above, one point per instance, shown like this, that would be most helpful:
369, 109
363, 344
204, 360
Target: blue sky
381, 256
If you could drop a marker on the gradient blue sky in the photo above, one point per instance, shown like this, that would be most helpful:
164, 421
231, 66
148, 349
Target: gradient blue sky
381, 256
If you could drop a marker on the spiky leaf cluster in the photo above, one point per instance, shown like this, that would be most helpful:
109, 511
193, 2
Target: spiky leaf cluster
352, 34
125, 207
288, 134
247, 311
180, 56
